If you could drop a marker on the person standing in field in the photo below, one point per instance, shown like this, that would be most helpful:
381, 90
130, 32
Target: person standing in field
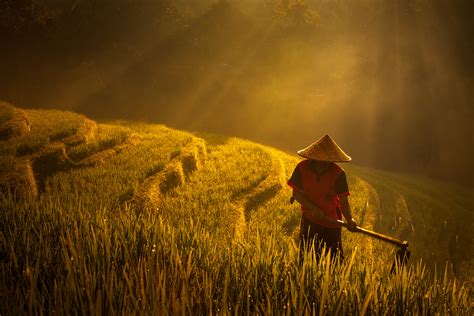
320, 186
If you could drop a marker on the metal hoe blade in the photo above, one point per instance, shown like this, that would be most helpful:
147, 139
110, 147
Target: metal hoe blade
401, 259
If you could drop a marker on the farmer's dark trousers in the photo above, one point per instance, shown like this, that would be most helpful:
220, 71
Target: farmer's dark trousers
319, 235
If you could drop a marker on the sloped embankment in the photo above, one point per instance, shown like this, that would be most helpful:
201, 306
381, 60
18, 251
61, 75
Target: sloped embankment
102, 155
53, 157
256, 196
16, 175
14, 122
189, 160
36, 146
27, 177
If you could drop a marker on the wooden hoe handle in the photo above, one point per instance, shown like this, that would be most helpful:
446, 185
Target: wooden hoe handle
393, 241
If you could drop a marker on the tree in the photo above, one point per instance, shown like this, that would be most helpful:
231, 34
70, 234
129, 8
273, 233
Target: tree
296, 15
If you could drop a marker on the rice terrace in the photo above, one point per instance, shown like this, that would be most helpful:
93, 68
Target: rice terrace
127, 217
236, 157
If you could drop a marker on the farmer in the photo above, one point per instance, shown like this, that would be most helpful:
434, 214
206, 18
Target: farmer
320, 186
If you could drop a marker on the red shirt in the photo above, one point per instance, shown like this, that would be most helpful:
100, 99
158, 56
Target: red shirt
324, 190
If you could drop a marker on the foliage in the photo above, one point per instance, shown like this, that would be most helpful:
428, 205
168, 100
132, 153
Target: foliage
296, 15
20, 17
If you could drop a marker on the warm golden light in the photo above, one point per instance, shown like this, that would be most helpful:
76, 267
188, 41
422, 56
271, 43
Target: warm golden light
390, 79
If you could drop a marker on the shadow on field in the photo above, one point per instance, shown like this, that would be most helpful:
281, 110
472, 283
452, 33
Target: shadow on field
50, 161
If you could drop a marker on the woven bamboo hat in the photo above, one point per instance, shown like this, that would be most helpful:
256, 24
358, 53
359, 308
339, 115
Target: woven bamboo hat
324, 149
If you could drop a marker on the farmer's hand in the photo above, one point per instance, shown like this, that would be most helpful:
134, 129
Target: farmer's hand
352, 225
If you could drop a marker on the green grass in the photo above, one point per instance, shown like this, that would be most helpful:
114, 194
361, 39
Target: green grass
220, 237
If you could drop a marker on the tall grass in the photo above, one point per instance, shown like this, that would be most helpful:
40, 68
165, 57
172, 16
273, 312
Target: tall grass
72, 260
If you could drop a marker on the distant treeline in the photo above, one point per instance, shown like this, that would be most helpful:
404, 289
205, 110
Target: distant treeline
392, 81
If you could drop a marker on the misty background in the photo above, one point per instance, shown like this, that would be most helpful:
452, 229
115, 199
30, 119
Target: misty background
391, 81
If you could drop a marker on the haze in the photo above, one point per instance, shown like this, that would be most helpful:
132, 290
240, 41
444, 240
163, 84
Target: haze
391, 81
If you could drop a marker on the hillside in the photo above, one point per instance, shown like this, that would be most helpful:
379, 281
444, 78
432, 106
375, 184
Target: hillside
111, 217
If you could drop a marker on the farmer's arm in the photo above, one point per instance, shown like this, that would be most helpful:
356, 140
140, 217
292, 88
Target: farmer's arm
315, 211
346, 211
342, 190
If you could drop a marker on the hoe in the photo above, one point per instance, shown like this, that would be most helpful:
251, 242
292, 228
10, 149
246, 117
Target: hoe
403, 254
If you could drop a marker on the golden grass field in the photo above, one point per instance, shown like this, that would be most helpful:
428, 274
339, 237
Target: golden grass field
127, 217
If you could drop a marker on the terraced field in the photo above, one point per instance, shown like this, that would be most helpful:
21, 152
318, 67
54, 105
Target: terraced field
138, 218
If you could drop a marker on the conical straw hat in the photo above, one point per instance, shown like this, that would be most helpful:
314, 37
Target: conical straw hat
325, 149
